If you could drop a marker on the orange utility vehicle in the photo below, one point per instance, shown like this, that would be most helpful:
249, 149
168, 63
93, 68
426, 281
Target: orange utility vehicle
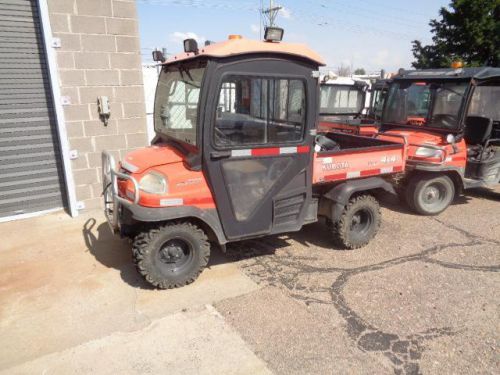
236, 156
450, 119
343, 107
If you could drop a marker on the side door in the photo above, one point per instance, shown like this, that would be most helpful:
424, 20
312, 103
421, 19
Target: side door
258, 146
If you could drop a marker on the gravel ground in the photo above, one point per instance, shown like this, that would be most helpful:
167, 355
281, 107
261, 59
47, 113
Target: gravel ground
423, 297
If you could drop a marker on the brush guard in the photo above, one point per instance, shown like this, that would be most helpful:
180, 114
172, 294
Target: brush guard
112, 200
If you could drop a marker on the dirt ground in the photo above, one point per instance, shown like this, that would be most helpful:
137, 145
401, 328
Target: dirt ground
423, 297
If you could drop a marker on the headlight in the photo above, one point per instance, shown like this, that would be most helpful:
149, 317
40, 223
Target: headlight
427, 152
153, 183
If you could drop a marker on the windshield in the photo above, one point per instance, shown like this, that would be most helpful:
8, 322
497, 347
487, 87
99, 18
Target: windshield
337, 99
435, 105
176, 101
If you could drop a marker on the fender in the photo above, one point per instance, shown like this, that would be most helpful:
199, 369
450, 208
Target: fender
341, 193
210, 218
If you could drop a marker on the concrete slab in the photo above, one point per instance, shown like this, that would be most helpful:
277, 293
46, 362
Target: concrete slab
193, 342
70, 281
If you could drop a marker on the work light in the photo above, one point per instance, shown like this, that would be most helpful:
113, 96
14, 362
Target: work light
273, 34
190, 45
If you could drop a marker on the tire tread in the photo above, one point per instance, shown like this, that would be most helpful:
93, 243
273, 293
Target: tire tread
340, 228
141, 250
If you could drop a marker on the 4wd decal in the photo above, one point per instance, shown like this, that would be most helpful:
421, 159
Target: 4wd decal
389, 159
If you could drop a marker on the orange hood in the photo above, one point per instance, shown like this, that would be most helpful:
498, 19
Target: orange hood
139, 160
419, 137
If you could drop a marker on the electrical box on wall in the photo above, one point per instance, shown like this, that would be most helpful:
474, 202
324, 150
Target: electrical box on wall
103, 109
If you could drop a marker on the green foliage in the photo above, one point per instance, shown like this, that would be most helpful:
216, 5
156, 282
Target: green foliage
360, 72
469, 30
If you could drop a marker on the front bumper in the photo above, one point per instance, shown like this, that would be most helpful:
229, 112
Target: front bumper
112, 200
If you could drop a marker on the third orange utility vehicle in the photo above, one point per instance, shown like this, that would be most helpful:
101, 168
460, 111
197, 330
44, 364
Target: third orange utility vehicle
450, 119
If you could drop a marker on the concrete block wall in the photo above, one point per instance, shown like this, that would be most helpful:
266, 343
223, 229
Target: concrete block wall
99, 56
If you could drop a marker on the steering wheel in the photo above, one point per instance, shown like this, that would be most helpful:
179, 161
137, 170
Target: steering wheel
446, 120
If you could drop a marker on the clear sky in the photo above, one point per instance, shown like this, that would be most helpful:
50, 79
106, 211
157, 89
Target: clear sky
370, 34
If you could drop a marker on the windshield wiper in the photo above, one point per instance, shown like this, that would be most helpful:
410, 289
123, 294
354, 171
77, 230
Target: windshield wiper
189, 76
451, 90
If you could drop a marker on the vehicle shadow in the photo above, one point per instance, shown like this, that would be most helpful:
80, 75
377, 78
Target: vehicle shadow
393, 203
484, 193
112, 252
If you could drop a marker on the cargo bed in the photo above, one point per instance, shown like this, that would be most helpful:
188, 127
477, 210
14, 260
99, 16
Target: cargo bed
357, 157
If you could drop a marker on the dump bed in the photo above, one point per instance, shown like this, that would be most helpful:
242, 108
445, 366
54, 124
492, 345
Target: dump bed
357, 157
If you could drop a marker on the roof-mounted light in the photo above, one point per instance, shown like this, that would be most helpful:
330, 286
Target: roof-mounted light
234, 37
190, 45
273, 34
158, 56
457, 64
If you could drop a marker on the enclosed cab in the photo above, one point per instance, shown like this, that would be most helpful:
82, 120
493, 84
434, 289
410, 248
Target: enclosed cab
450, 119
353, 106
237, 156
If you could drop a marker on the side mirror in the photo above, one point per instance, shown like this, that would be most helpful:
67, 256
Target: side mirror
158, 56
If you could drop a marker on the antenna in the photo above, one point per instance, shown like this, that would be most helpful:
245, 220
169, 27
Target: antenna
271, 13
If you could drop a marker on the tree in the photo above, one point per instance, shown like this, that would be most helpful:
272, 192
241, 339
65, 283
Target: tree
360, 72
469, 30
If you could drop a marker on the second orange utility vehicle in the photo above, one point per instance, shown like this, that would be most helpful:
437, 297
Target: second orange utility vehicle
236, 156
343, 107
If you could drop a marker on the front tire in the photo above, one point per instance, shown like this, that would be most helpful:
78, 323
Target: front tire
430, 194
172, 255
359, 222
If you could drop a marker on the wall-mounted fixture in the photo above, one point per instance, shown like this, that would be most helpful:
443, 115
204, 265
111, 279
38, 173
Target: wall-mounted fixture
103, 109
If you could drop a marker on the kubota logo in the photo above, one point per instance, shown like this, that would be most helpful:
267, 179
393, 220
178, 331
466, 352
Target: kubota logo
335, 166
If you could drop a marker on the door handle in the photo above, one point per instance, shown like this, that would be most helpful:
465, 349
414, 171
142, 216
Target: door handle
214, 155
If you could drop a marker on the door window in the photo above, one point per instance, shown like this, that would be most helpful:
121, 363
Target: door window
485, 102
260, 111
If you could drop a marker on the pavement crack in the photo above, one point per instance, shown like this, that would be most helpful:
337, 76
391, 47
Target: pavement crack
403, 351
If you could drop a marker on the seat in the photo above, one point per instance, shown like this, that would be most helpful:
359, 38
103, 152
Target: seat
477, 132
477, 129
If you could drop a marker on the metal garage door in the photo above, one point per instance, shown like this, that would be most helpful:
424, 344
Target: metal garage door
31, 175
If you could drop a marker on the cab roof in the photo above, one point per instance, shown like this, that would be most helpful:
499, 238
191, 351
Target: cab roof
242, 46
449, 73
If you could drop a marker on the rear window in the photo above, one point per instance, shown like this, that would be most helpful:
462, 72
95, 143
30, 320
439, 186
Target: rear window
336, 100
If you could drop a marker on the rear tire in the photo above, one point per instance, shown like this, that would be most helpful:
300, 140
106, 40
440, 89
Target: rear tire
430, 194
172, 255
359, 222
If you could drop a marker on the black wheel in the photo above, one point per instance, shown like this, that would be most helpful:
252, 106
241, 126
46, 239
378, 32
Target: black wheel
359, 222
430, 194
172, 255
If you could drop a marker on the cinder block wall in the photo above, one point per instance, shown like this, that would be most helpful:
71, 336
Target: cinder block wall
99, 55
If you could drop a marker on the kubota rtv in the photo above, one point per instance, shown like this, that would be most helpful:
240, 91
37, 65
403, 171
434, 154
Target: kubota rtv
237, 156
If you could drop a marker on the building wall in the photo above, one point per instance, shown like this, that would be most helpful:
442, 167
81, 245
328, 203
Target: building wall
99, 56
